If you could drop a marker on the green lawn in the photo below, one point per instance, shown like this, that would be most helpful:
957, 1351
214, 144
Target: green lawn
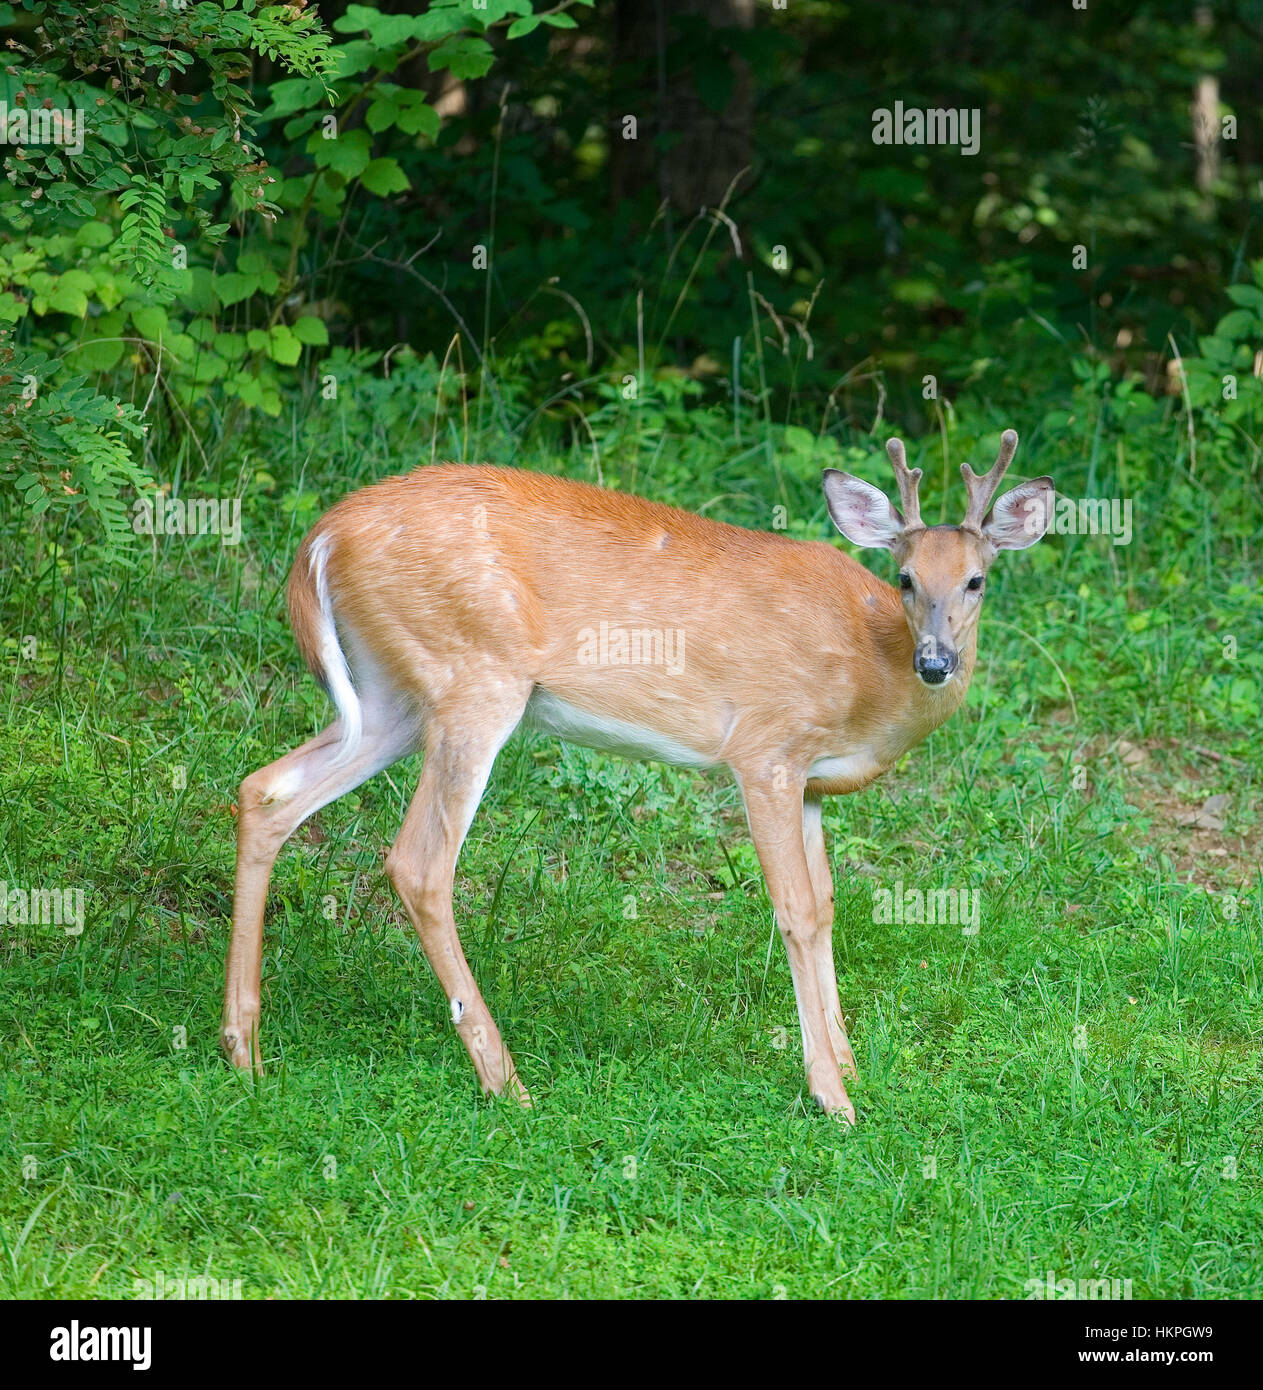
1075, 1089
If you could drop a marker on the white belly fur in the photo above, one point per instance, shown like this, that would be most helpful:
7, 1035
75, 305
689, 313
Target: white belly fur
843, 769
552, 715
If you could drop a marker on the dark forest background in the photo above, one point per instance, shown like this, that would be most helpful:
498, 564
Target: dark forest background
477, 215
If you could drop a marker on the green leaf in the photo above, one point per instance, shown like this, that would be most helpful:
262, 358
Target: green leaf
462, 57
102, 345
233, 287
294, 94
181, 346
96, 234
1218, 351
437, 22
98, 357
283, 346
311, 330
521, 27
1239, 324
207, 367
200, 294
300, 125
356, 19
353, 57
246, 388
381, 114
1248, 296
230, 346
419, 119
346, 154
492, 11
80, 279
150, 323
384, 176
68, 299
386, 30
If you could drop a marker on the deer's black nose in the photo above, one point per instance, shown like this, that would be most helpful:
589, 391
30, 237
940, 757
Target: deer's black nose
934, 665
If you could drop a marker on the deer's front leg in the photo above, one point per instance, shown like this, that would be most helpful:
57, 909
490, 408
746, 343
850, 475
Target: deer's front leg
826, 970
776, 823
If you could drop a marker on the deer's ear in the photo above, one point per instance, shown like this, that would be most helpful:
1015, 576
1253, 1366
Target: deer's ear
862, 513
1021, 516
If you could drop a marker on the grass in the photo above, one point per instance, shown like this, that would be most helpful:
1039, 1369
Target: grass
1075, 1089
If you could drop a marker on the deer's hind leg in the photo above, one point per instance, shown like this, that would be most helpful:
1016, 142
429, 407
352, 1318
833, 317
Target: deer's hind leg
465, 732
272, 803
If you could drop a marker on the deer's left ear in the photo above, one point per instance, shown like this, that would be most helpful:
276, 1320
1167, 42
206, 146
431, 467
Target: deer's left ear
1021, 516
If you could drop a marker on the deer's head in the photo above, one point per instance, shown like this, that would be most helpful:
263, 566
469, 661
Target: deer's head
942, 569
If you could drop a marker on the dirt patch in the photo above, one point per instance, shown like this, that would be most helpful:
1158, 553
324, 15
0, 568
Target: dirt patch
1201, 803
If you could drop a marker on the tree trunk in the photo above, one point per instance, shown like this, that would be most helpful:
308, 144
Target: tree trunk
686, 150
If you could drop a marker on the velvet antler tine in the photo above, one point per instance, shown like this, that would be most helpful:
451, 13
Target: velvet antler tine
982, 489
908, 479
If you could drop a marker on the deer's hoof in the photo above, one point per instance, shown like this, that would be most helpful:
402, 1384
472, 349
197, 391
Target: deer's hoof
235, 1042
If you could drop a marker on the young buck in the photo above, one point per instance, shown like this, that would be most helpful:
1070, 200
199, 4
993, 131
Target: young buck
443, 609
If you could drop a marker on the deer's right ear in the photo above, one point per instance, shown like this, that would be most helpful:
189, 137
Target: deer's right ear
862, 513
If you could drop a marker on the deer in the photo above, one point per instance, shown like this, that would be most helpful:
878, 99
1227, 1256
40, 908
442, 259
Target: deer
443, 609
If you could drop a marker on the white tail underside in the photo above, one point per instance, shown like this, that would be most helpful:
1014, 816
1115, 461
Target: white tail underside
333, 663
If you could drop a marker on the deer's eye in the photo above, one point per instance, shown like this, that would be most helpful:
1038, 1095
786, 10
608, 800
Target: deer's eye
975, 583
905, 582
